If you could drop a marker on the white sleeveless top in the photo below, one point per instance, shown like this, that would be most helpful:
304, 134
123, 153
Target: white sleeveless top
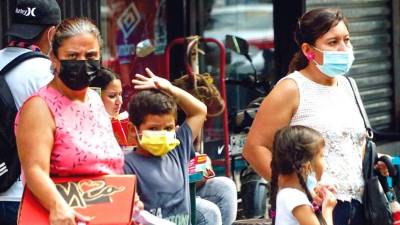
333, 111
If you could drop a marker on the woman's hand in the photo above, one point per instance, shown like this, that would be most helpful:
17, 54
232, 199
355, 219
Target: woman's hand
62, 214
138, 204
137, 207
151, 82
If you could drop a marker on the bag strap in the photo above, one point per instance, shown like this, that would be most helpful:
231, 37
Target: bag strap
370, 148
362, 110
6, 95
19, 59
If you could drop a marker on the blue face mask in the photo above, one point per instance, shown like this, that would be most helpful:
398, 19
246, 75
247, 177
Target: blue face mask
336, 63
311, 181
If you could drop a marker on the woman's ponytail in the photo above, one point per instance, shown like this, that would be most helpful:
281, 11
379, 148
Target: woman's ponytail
298, 62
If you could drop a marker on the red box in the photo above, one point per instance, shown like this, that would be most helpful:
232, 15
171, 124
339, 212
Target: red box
122, 132
108, 200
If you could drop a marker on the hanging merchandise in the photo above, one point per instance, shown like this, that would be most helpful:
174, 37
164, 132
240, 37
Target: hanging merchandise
126, 24
132, 22
160, 28
193, 54
200, 85
136, 38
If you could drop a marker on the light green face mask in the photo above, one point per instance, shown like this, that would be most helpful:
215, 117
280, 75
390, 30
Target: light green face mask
336, 63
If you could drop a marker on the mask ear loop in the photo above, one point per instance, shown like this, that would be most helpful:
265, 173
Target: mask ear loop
137, 135
311, 56
174, 132
50, 39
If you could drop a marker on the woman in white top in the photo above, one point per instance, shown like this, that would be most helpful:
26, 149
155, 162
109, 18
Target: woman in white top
298, 150
316, 94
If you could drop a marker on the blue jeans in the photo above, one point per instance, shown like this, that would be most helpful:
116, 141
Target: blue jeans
216, 202
348, 213
8, 213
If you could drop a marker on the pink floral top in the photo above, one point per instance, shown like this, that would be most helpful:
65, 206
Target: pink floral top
84, 142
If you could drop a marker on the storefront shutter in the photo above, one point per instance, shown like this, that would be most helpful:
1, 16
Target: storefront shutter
370, 31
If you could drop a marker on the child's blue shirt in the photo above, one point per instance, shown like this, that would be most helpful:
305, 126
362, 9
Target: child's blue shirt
163, 182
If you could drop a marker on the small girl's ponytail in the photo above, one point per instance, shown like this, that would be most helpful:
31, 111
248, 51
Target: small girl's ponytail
317, 212
273, 191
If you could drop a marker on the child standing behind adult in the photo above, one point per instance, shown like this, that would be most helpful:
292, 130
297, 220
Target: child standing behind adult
160, 161
297, 152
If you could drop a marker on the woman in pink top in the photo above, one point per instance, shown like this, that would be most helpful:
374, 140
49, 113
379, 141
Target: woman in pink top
64, 130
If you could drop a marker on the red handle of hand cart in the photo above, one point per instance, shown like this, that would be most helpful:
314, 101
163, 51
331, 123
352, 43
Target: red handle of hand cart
222, 61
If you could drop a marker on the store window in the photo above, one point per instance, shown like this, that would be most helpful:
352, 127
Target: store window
252, 21
135, 36
246, 81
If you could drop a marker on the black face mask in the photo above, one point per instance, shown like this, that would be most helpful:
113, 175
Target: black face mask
77, 74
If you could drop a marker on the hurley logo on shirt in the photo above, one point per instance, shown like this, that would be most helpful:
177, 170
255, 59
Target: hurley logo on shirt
26, 12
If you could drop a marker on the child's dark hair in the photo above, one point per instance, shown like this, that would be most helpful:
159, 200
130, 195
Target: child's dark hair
311, 26
293, 147
150, 102
103, 78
